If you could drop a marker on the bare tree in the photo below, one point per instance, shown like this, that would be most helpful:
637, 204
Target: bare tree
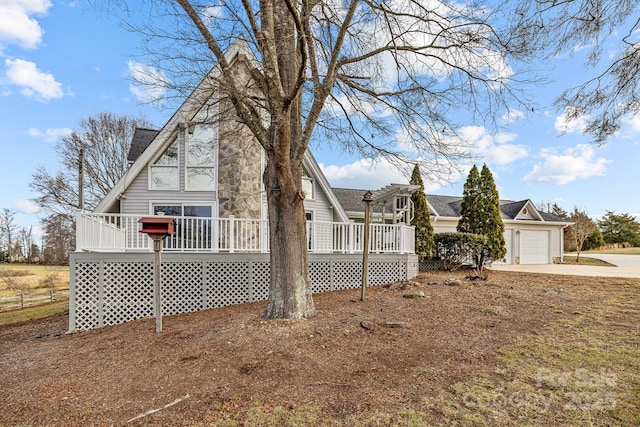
104, 139
613, 93
582, 228
373, 77
8, 228
27, 243
58, 239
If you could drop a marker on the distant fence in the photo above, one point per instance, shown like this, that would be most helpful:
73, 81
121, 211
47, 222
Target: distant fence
29, 300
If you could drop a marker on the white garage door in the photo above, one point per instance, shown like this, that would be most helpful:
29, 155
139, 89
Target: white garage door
534, 247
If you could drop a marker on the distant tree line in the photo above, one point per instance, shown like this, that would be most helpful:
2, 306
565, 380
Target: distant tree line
587, 234
16, 243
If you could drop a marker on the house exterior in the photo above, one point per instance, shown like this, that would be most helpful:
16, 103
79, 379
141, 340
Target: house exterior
531, 236
204, 169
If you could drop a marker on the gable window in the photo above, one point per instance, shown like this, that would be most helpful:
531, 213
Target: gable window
163, 173
307, 185
201, 158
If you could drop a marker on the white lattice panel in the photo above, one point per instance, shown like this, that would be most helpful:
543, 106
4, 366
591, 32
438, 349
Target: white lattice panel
128, 291
260, 274
347, 275
382, 272
319, 272
182, 287
227, 283
121, 291
86, 295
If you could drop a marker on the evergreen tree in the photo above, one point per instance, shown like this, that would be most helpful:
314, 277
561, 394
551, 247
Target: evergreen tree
620, 228
493, 226
559, 212
471, 211
594, 241
424, 230
480, 214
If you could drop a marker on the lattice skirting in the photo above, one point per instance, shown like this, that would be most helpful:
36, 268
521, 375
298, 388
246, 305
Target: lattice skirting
113, 288
432, 264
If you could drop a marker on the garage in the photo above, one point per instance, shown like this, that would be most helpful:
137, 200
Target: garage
534, 247
508, 241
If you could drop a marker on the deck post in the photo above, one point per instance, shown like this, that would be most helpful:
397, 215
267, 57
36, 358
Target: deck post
367, 199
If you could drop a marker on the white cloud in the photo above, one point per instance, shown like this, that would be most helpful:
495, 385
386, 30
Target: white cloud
511, 116
49, 135
565, 124
495, 149
634, 122
575, 163
149, 84
33, 82
17, 25
371, 175
26, 206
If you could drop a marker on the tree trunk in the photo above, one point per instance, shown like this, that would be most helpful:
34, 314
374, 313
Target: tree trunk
290, 288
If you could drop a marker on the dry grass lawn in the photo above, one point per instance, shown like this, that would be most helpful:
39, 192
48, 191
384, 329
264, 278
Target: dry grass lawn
518, 349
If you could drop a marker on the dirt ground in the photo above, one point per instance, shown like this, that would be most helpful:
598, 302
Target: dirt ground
382, 354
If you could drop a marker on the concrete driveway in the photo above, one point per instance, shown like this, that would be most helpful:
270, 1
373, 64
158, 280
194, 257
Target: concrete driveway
625, 266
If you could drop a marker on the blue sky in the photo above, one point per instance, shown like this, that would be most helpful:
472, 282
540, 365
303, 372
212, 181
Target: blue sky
61, 61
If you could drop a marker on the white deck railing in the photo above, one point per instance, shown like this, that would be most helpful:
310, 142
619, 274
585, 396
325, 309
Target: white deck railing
120, 233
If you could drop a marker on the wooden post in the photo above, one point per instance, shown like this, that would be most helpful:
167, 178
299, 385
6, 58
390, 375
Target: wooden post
157, 248
157, 228
367, 199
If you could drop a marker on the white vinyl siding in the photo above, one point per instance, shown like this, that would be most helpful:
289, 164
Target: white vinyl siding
508, 241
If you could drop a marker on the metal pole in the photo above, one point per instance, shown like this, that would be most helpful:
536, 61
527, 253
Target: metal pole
157, 248
367, 199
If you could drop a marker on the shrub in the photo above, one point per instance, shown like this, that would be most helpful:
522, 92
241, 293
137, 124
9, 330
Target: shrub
458, 249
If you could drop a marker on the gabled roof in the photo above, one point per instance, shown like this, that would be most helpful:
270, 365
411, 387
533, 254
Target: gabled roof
140, 141
511, 209
186, 111
448, 206
147, 143
311, 165
351, 200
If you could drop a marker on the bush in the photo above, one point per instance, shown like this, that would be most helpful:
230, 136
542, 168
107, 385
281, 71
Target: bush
458, 249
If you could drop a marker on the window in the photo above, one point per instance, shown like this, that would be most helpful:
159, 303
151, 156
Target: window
163, 174
307, 185
193, 228
201, 158
200, 211
310, 231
